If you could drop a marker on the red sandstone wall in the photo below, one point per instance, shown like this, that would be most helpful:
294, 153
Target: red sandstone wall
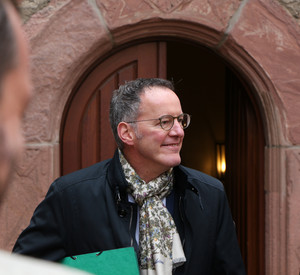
260, 38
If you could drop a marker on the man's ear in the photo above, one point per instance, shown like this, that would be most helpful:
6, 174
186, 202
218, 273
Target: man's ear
126, 133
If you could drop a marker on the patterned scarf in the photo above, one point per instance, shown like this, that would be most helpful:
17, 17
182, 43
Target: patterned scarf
159, 241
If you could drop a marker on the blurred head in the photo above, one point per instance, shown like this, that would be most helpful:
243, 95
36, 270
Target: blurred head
14, 87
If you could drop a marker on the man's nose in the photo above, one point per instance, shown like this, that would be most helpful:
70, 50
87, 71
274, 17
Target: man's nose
176, 130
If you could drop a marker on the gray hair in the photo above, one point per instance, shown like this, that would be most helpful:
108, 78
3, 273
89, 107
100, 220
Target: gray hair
8, 44
125, 102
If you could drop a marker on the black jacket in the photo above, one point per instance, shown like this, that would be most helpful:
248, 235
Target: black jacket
88, 211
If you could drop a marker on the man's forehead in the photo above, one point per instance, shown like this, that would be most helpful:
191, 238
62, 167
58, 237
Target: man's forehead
155, 94
159, 100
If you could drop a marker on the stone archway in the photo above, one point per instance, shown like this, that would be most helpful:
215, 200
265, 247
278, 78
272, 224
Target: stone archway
255, 37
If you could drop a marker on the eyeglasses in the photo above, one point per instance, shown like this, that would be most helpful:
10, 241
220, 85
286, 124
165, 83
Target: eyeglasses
167, 121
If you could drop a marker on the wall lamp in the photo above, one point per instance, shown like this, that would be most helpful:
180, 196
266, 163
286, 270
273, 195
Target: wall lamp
220, 160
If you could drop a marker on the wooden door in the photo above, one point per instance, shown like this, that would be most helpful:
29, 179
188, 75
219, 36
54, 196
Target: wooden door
86, 135
244, 181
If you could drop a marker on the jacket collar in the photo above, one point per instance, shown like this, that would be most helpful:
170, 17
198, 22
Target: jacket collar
183, 183
116, 177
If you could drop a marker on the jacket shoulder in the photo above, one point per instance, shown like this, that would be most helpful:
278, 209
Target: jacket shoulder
84, 175
199, 178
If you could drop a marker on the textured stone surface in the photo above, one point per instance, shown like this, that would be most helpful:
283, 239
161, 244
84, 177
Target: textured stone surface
274, 42
293, 6
61, 50
29, 184
293, 205
214, 14
30, 7
276, 212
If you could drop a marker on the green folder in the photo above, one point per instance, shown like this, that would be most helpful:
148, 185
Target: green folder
116, 261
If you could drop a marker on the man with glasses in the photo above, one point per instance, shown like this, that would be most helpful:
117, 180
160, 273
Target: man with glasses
176, 218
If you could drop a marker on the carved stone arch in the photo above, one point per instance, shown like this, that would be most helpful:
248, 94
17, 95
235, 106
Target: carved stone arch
256, 79
261, 86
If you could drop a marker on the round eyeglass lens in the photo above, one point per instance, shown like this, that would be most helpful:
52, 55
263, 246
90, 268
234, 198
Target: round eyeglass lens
166, 122
185, 121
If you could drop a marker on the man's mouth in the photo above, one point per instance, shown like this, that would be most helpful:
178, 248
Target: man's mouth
171, 145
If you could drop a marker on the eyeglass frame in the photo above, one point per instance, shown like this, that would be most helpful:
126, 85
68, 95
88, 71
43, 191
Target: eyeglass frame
164, 116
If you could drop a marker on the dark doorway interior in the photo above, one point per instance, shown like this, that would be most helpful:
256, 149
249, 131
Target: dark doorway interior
223, 111
199, 78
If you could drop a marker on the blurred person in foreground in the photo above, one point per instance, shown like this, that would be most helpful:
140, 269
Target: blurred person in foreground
15, 92
176, 218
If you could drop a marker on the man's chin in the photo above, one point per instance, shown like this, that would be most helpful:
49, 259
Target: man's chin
174, 162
